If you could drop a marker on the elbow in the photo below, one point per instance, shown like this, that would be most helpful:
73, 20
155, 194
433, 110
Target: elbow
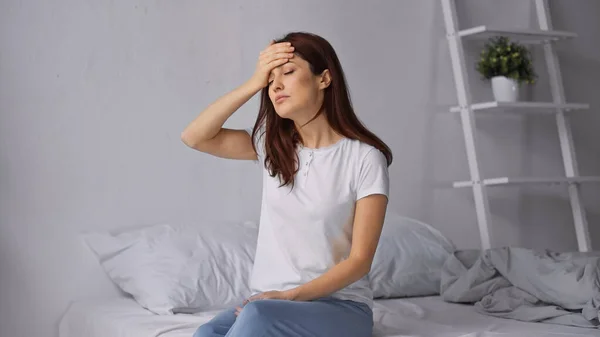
362, 266
184, 138
187, 139
366, 270
362, 271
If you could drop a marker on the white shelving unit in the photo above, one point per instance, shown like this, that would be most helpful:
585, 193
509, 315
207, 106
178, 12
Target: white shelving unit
529, 180
524, 107
546, 37
528, 36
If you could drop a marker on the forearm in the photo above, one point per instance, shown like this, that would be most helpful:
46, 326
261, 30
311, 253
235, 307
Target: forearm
211, 120
340, 276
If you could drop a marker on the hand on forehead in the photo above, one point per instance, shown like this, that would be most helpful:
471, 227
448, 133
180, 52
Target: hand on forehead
281, 68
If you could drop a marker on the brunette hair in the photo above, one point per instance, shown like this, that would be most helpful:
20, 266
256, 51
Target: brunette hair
281, 136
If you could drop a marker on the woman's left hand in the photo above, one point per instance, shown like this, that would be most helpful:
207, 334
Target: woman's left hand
273, 295
269, 295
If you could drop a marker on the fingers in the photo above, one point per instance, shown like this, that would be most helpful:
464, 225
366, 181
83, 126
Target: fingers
238, 309
256, 297
261, 296
268, 58
271, 56
277, 57
276, 63
278, 48
270, 62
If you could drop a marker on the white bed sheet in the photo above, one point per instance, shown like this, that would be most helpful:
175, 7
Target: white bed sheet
422, 317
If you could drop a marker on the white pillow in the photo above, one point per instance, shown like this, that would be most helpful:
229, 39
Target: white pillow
171, 269
409, 259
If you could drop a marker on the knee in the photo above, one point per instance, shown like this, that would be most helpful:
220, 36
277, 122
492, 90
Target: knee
259, 310
205, 330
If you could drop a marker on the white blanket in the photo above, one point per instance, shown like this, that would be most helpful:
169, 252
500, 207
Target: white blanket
414, 317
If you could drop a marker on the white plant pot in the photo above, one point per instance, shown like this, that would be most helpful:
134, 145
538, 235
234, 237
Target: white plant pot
505, 89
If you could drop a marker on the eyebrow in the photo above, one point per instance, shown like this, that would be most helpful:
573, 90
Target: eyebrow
271, 73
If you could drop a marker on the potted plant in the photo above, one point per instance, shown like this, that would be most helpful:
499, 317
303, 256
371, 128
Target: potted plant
508, 65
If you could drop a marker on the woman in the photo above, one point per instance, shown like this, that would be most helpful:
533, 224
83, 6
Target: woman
325, 190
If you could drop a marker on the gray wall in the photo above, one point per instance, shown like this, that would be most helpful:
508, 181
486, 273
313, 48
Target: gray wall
94, 95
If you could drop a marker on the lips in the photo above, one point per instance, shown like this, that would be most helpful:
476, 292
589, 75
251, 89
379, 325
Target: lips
281, 98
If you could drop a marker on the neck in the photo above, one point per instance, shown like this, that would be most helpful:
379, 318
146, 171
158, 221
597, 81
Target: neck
318, 133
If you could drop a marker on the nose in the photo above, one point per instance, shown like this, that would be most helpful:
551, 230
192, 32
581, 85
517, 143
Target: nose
277, 84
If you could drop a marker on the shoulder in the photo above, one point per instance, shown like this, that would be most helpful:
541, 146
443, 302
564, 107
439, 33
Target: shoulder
365, 153
370, 174
258, 140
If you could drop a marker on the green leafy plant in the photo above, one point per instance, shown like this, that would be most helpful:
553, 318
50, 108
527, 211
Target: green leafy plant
501, 57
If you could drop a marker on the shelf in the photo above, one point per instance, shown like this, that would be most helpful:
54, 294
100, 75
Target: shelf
517, 35
524, 107
531, 180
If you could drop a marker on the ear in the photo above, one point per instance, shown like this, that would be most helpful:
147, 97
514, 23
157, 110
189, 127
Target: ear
325, 79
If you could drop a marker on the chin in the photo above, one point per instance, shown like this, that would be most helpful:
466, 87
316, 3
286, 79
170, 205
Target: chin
284, 113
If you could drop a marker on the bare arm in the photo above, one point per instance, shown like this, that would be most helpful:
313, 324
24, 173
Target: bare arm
206, 132
368, 224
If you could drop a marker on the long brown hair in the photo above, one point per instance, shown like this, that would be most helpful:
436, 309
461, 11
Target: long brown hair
281, 136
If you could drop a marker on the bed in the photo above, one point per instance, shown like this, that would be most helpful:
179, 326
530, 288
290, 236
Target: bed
418, 278
420, 316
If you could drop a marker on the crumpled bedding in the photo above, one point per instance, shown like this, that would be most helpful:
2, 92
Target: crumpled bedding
526, 285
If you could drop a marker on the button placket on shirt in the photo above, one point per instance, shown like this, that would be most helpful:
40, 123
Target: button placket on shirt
307, 165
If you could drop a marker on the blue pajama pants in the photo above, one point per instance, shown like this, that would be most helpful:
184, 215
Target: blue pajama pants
327, 317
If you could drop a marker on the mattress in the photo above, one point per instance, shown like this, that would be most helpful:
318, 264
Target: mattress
411, 317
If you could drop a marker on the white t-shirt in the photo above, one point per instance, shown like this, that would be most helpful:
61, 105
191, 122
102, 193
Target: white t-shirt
305, 231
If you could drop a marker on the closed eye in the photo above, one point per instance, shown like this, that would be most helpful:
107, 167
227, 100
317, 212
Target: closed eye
287, 73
